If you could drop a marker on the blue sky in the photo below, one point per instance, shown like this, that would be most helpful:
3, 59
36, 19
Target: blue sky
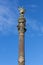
9, 34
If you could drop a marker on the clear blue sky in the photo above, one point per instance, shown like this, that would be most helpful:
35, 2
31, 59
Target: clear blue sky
9, 34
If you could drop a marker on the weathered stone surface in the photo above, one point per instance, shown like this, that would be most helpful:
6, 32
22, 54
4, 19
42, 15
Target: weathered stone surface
21, 30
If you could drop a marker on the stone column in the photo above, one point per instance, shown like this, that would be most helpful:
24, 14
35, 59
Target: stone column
21, 30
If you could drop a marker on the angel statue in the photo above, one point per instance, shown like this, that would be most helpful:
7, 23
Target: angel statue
22, 11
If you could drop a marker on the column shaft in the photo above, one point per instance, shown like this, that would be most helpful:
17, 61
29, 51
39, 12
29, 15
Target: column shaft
21, 49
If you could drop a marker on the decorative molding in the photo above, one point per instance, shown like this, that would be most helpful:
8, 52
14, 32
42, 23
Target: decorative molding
21, 59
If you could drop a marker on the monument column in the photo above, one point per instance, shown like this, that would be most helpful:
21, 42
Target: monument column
21, 30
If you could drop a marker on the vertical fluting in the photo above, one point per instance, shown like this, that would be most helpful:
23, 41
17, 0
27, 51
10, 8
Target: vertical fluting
21, 30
